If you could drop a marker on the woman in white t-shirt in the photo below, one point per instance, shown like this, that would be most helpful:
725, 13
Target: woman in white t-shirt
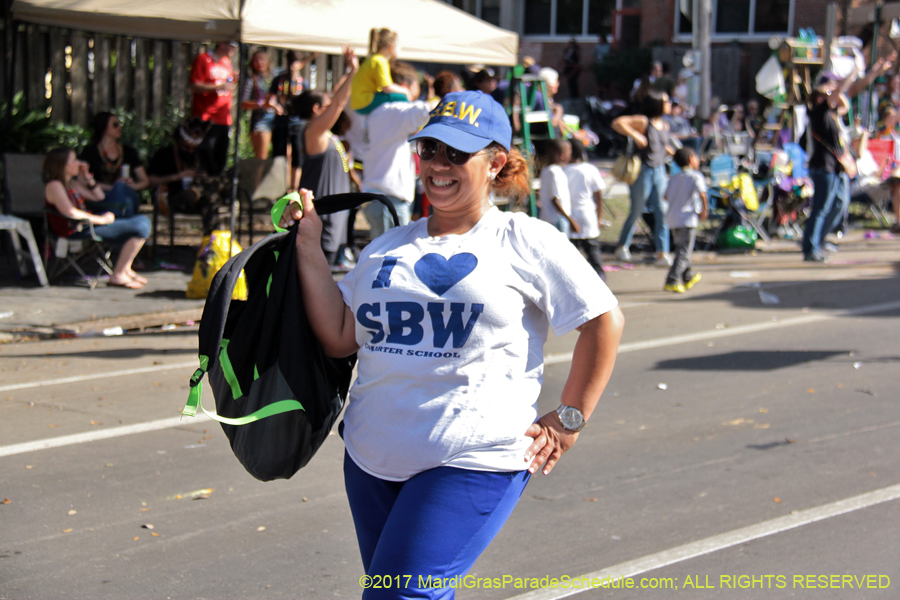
449, 316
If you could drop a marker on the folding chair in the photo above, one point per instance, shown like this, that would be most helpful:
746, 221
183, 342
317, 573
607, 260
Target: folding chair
23, 194
738, 144
20, 227
723, 174
876, 199
73, 253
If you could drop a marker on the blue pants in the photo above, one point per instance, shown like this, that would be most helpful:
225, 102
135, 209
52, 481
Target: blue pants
823, 216
379, 217
435, 524
121, 200
648, 190
120, 230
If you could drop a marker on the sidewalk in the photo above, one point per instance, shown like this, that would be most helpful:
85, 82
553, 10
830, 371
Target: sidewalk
27, 310
69, 309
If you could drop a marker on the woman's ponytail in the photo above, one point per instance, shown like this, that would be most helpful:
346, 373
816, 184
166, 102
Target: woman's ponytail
514, 179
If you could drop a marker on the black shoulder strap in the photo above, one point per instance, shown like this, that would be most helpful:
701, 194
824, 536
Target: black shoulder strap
338, 202
327, 205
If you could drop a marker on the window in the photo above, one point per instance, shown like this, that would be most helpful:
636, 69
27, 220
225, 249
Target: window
568, 18
737, 18
486, 10
538, 18
490, 11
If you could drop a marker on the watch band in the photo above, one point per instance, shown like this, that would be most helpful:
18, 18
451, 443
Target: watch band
572, 419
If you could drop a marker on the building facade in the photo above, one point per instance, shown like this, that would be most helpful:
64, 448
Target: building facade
740, 32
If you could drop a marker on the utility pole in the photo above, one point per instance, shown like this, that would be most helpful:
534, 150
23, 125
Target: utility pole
830, 24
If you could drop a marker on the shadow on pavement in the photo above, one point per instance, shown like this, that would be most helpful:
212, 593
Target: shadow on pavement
839, 294
120, 353
748, 360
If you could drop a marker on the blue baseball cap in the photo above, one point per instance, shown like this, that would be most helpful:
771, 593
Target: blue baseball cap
468, 121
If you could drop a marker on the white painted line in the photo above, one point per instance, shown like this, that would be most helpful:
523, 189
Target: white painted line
552, 359
720, 542
101, 434
79, 378
548, 360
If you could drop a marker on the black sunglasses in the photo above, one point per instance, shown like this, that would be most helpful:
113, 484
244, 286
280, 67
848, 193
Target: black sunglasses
427, 149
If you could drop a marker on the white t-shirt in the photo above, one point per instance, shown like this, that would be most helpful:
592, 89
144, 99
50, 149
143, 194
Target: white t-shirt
554, 184
584, 179
683, 197
451, 332
388, 166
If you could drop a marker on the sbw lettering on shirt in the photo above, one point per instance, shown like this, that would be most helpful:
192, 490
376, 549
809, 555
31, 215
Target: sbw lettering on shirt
404, 324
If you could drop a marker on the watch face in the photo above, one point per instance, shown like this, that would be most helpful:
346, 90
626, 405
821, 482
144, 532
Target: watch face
571, 418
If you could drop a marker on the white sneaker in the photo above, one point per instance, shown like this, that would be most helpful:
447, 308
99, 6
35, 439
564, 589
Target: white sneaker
623, 254
664, 260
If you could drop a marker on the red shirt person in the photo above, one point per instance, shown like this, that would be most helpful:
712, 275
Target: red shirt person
212, 84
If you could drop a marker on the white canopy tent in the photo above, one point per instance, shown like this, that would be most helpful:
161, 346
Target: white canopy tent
429, 30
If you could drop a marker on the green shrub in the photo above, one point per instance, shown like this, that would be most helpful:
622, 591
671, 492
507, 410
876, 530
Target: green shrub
29, 132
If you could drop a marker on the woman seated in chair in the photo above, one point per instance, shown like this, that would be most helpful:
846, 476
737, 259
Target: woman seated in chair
118, 168
69, 184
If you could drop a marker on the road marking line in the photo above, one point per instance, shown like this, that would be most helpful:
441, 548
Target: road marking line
715, 543
101, 434
548, 360
79, 378
552, 359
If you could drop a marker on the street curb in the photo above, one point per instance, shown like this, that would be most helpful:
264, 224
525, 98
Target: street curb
109, 326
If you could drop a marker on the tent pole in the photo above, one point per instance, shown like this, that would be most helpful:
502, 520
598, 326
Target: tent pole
876, 31
242, 51
11, 55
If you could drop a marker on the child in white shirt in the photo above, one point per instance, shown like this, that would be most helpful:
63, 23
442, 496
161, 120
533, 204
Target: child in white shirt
586, 187
555, 201
686, 195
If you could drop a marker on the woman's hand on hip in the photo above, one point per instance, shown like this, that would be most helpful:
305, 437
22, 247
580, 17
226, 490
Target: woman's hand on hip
551, 441
640, 140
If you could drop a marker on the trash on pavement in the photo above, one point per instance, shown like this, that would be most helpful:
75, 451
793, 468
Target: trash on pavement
767, 298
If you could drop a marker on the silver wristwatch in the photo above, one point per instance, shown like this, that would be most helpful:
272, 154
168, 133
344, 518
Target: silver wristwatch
571, 418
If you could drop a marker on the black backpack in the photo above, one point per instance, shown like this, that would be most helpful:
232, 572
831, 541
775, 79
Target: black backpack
277, 395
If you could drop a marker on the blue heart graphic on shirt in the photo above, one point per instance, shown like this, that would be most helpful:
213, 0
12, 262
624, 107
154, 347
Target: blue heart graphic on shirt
441, 274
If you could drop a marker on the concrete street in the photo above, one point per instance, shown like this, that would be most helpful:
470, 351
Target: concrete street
745, 448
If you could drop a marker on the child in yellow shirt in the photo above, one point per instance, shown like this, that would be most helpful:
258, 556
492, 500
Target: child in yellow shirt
372, 85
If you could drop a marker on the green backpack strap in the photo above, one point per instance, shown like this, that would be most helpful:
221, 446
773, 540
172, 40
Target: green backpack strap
194, 402
279, 208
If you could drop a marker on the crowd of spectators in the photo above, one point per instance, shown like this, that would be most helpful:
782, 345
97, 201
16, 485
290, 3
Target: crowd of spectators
379, 102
